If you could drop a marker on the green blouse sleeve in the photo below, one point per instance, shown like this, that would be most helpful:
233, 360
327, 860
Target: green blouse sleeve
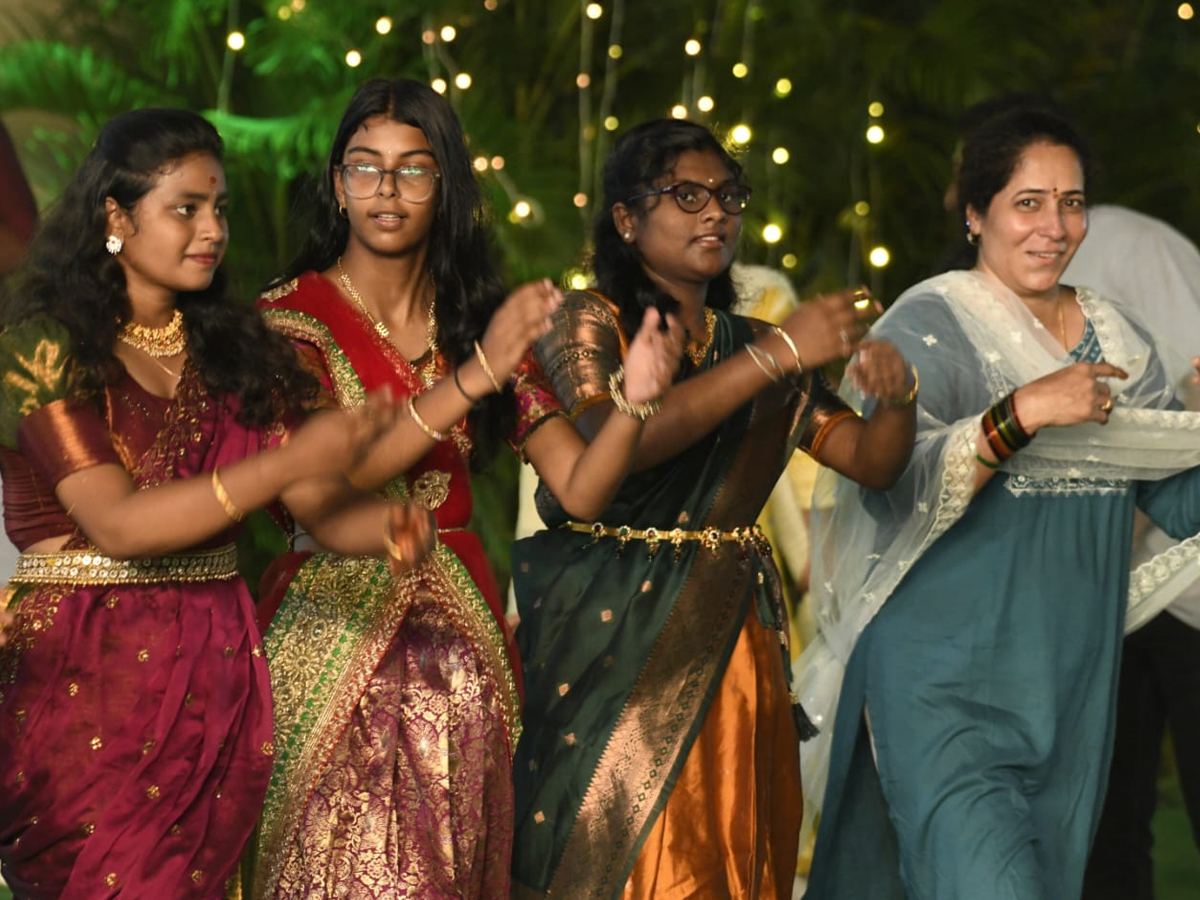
37, 368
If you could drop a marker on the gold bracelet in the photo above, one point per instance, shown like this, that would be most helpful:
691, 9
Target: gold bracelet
787, 339
755, 351
389, 542
412, 411
641, 411
483, 361
223, 498
912, 394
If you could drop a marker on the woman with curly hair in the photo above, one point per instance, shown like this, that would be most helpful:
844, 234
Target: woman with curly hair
141, 417
397, 713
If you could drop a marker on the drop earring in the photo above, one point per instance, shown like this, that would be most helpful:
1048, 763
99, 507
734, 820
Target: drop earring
113, 244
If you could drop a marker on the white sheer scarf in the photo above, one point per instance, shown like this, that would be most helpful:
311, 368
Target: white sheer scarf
973, 342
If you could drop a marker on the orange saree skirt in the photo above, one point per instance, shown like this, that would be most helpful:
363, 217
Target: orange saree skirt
730, 829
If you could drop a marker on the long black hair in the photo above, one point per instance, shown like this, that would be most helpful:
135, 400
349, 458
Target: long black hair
642, 156
69, 275
459, 257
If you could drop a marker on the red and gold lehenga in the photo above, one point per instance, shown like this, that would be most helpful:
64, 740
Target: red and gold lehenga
396, 699
135, 710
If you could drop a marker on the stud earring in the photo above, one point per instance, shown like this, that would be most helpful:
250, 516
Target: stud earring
628, 235
113, 244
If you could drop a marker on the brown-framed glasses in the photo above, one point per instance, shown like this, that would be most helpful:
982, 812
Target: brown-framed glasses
692, 197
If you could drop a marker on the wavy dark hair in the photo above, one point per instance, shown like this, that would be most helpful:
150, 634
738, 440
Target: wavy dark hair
69, 275
459, 255
993, 150
642, 156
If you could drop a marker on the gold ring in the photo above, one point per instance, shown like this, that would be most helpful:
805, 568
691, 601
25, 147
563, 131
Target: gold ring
1107, 406
862, 298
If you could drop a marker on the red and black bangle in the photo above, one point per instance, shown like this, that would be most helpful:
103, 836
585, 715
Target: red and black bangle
1003, 430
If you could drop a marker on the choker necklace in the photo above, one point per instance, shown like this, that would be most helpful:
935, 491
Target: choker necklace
430, 324
697, 351
169, 340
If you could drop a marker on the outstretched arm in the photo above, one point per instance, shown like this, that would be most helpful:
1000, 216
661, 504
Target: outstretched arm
820, 330
522, 319
874, 451
124, 522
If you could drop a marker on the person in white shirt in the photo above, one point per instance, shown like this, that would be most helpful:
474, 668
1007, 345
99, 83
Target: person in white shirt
1154, 270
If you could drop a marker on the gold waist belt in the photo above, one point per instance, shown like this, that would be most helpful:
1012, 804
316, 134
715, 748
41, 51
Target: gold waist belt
709, 538
82, 567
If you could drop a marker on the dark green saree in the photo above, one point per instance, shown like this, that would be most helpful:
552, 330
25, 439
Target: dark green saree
624, 647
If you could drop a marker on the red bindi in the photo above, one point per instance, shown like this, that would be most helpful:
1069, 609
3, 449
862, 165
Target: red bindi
212, 179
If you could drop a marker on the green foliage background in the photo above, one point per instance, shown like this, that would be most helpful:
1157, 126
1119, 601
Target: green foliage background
1128, 70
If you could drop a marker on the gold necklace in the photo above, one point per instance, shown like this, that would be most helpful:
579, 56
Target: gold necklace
169, 340
1062, 324
428, 372
170, 372
698, 351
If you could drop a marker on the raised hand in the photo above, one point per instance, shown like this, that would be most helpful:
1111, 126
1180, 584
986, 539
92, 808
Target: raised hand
879, 370
410, 534
1067, 397
521, 319
829, 326
653, 358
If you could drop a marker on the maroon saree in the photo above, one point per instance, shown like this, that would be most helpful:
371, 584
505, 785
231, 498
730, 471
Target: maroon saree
135, 718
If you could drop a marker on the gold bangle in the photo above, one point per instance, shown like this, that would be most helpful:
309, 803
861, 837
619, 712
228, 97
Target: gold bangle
412, 411
787, 339
483, 361
755, 351
389, 542
641, 411
231, 510
912, 394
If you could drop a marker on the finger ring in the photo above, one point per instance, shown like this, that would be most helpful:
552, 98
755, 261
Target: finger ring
1107, 405
845, 337
862, 298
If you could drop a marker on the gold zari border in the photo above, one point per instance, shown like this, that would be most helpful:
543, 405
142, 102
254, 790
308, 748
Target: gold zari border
84, 567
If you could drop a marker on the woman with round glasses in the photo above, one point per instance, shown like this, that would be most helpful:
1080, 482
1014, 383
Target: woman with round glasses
398, 704
659, 757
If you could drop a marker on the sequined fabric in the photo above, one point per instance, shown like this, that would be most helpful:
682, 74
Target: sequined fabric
135, 719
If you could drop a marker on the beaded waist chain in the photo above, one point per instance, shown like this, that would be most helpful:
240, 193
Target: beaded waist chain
82, 567
752, 536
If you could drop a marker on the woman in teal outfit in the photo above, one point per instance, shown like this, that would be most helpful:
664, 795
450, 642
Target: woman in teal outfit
971, 743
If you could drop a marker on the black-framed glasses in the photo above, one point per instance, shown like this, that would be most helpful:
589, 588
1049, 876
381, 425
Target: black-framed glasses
692, 197
363, 180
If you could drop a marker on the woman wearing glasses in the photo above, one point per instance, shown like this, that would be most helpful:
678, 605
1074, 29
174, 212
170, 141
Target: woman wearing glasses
659, 757
398, 705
